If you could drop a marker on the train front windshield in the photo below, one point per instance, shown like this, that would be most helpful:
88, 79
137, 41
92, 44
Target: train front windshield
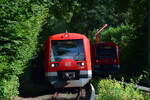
67, 49
103, 52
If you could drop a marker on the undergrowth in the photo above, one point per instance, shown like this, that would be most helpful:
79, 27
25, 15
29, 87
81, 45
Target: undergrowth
110, 89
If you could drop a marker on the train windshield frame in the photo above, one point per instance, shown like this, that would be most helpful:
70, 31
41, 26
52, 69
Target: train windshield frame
67, 49
104, 52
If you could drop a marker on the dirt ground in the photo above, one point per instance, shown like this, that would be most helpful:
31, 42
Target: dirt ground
45, 97
61, 96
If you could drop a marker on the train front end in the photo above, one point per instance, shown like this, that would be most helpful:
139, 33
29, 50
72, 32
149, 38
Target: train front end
67, 60
105, 58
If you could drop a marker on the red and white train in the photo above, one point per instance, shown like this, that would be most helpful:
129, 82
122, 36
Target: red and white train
68, 60
105, 58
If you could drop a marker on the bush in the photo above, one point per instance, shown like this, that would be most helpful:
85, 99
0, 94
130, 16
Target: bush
8, 88
146, 96
108, 89
21, 22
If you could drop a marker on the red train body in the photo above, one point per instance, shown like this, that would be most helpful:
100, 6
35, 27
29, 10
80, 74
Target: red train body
105, 58
67, 60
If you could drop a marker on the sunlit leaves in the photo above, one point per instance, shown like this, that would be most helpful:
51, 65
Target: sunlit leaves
21, 22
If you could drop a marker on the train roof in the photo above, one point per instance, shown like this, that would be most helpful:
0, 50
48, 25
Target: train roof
63, 36
106, 43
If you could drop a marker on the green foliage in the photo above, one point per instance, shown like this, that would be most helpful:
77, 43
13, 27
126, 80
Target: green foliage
93, 14
21, 23
135, 14
60, 15
8, 88
108, 89
146, 96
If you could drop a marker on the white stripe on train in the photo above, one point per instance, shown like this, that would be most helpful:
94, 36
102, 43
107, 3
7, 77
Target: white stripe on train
89, 72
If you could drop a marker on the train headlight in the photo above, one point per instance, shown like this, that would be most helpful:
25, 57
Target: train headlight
54, 65
81, 63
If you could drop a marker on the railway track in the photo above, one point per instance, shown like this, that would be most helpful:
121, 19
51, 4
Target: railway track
67, 96
84, 93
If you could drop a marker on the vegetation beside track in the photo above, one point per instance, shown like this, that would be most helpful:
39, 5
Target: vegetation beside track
21, 22
110, 89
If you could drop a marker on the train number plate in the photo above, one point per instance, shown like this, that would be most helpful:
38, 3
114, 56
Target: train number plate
68, 75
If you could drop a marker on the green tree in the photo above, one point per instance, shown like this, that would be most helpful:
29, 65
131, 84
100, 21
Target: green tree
21, 22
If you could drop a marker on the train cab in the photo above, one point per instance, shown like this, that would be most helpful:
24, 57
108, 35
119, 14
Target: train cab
105, 58
68, 60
